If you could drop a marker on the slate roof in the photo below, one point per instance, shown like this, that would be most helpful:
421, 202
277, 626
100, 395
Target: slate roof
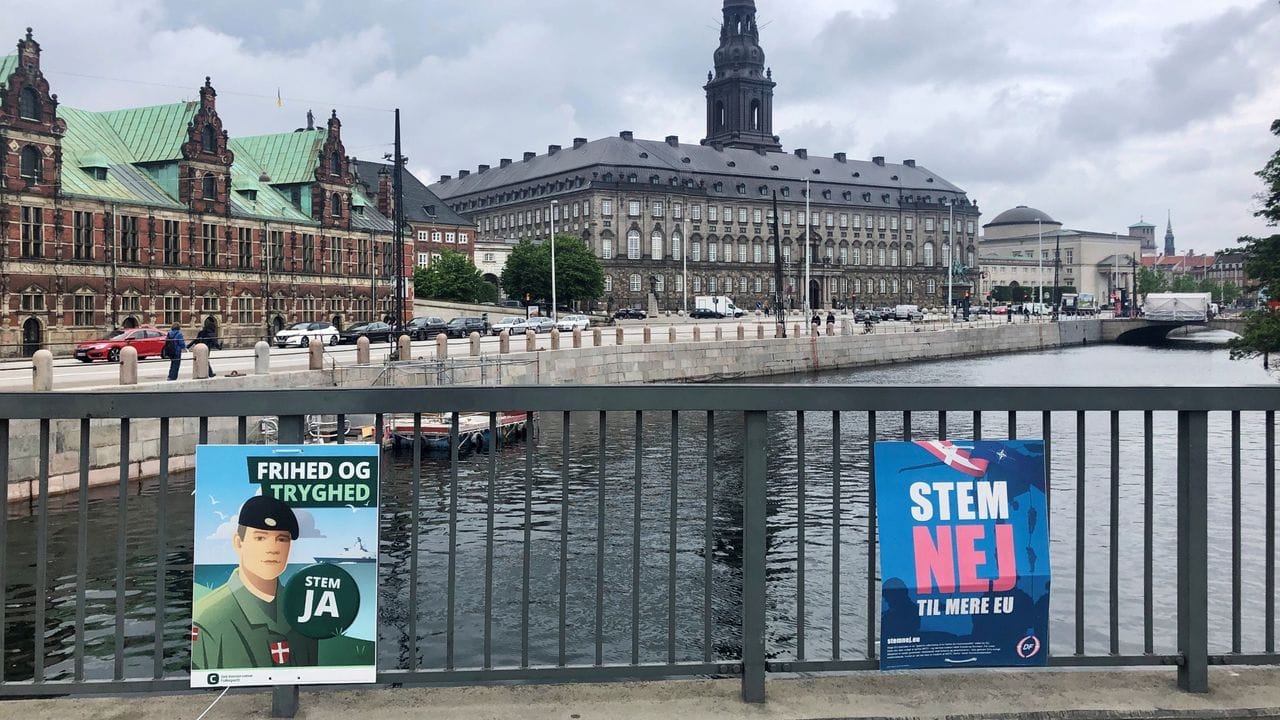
730, 165
289, 158
418, 198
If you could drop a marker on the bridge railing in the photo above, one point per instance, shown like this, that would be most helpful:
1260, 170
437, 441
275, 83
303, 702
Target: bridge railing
658, 531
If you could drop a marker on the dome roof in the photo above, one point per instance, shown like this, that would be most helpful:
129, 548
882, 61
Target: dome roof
1022, 215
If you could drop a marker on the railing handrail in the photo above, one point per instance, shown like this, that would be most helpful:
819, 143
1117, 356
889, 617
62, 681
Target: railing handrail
593, 398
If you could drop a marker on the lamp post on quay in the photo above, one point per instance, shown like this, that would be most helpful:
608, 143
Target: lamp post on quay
554, 205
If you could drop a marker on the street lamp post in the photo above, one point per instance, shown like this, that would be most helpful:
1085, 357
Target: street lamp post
554, 205
808, 223
684, 260
1040, 260
951, 260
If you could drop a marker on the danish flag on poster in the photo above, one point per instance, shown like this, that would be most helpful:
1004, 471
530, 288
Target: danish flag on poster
955, 457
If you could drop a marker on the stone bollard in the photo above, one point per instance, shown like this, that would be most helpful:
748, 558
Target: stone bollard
648, 335
261, 358
779, 330
577, 338
404, 348
597, 337
200, 362
442, 346
760, 331
742, 332
363, 356
619, 336
697, 333
504, 342
475, 344
315, 355
555, 338
719, 333
530, 341
831, 329
796, 331
846, 327
671, 335
42, 371
129, 366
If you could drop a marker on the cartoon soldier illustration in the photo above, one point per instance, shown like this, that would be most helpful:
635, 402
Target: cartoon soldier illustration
242, 624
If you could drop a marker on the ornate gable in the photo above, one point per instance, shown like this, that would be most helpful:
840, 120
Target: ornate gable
206, 160
331, 195
25, 101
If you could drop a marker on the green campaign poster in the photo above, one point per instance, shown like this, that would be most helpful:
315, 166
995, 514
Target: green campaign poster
286, 566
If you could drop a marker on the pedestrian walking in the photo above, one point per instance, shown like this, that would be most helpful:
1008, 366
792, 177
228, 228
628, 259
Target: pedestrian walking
816, 322
831, 322
174, 344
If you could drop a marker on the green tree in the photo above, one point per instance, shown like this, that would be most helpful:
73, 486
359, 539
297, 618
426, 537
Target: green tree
579, 276
1261, 337
1184, 284
452, 277
1261, 334
1271, 178
1150, 281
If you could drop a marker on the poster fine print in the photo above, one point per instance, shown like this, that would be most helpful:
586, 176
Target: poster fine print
964, 554
286, 568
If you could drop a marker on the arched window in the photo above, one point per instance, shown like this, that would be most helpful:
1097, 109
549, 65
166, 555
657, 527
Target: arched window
927, 255
720, 115
208, 140
209, 187
336, 205
755, 115
677, 245
880, 256
635, 282
893, 257
28, 104
606, 246
633, 245
335, 164
31, 170
971, 259
655, 245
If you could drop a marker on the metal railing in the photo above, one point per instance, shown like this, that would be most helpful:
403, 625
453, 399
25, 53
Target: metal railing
659, 531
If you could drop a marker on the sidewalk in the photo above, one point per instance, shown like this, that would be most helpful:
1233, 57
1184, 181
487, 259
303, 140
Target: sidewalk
1053, 695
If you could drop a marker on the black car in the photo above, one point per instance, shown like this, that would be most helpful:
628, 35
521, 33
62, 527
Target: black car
461, 327
630, 314
864, 315
375, 331
425, 328
705, 313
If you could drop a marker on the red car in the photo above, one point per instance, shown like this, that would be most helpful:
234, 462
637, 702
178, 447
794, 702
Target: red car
147, 340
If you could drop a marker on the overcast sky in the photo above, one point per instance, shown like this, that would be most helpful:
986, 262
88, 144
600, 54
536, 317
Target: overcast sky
1095, 111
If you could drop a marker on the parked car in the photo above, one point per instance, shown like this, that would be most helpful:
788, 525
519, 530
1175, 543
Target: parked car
148, 341
375, 331
304, 333
569, 323
1000, 310
461, 327
537, 324
630, 314
425, 328
864, 315
507, 324
705, 314
510, 303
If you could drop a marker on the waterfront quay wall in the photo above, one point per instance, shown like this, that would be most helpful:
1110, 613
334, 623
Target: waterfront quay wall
658, 361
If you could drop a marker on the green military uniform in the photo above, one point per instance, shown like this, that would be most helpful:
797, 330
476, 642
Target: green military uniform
233, 628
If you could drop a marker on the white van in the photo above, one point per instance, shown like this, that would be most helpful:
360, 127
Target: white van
908, 312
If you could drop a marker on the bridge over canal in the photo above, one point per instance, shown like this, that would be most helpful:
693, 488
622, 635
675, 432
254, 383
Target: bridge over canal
1141, 331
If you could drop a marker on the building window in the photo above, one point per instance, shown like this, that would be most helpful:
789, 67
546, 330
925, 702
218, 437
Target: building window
893, 257
713, 213
131, 302
635, 282
655, 245
695, 213
677, 246
33, 300
742, 284
657, 209
946, 225
909, 257
308, 252
172, 308
660, 283
712, 250
363, 260
209, 303
969, 227
451, 238
608, 283
855, 256
462, 238
633, 208
424, 259
759, 286
697, 284
335, 164
335, 204
633, 245
844, 255
276, 250
927, 255
244, 248
209, 240
84, 303
786, 254
31, 170
244, 310
695, 251
437, 236
928, 224
1070, 256
208, 141
28, 104
757, 216
488, 257
831, 220
742, 252
742, 215
606, 248
844, 220
209, 187
128, 238
82, 235
757, 252
172, 253
908, 224
880, 256
711, 284
606, 208
786, 217
932, 284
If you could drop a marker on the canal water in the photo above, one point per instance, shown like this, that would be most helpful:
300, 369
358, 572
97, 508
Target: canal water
638, 569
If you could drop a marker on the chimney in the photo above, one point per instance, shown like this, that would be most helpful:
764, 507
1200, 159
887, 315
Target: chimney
529, 156
841, 157
553, 149
504, 162
445, 178
909, 163
579, 142
673, 140
463, 173
627, 135
384, 197
482, 169
802, 153
879, 160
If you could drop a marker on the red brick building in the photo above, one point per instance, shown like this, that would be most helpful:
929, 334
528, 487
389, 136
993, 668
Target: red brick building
156, 215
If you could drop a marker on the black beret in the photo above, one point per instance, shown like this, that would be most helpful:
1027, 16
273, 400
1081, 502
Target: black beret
267, 513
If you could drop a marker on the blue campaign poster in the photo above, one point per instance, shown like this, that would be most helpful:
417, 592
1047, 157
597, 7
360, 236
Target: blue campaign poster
964, 553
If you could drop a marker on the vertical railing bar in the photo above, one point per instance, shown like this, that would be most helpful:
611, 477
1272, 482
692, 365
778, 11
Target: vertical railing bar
708, 547
671, 538
378, 427
1013, 424
1113, 585
977, 424
836, 516
82, 542
526, 566
455, 439
488, 540
42, 553
906, 426
416, 483
1235, 532
755, 528
122, 525
341, 431
162, 549
204, 431
564, 534
1148, 531
4, 543
1193, 555
801, 521
635, 542
1080, 537
1271, 532
1046, 433
242, 430
872, 650
600, 513
942, 424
